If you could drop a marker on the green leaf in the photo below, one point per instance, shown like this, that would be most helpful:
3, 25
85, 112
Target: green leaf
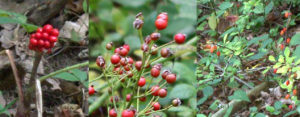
212, 21
85, 6
287, 52
225, 5
281, 59
201, 115
240, 95
295, 39
214, 105
228, 111
257, 39
253, 109
298, 109
183, 91
259, 8
270, 109
208, 91
260, 115
131, 3
290, 113
200, 101
79, 74
67, 76
278, 105
296, 53
9, 105
271, 58
269, 8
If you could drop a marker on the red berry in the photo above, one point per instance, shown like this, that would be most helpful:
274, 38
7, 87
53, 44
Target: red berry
127, 47
163, 15
32, 36
109, 46
161, 24
92, 90
30, 47
40, 30
152, 50
155, 89
112, 99
162, 93
47, 44
127, 113
130, 61
171, 78
41, 43
165, 73
142, 82
179, 38
275, 70
47, 28
33, 42
124, 61
147, 39
52, 39
286, 14
237, 5
38, 35
155, 36
123, 51
138, 65
128, 96
284, 29
49, 51
117, 50
112, 113
45, 36
100, 61
176, 102
156, 106
142, 99
288, 40
218, 53
281, 32
295, 92
165, 52
130, 74
144, 47
287, 82
127, 67
158, 66
55, 32
281, 46
117, 69
211, 49
290, 107
155, 72
115, 59
287, 96
41, 49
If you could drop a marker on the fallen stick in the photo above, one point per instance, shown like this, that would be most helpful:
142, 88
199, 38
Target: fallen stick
238, 104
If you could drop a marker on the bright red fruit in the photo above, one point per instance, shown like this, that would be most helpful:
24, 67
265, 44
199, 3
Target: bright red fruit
40, 30
126, 46
117, 50
45, 36
38, 35
115, 59
92, 90
128, 96
47, 44
161, 24
100, 61
287, 82
142, 82
281, 47
47, 28
55, 32
127, 113
156, 106
165, 73
163, 15
112, 113
179, 38
52, 39
138, 65
288, 40
162, 93
290, 107
142, 99
123, 51
41, 43
155, 72
171, 78
218, 53
33, 42
287, 96
155, 36
155, 89
275, 70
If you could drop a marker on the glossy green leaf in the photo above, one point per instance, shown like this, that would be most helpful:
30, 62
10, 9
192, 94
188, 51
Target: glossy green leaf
212, 21
183, 91
295, 39
66, 76
225, 5
240, 95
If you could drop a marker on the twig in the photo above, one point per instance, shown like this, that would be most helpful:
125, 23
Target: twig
240, 80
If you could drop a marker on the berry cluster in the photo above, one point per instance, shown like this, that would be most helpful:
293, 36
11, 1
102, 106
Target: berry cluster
129, 72
43, 39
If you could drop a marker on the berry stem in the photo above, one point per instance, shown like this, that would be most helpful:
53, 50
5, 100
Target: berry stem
114, 101
138, 101
164, 45
148, 85
141, 35
148, 107
99, 77
158, 110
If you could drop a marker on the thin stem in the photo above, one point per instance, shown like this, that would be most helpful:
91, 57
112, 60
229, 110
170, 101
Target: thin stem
64, 70
164, 45
159, 110
148, 85
141, 35
114, 102
138, 101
